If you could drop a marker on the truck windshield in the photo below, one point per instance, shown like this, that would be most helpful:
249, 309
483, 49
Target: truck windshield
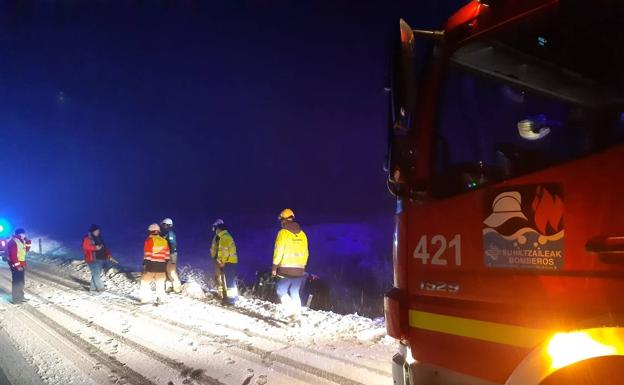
545, 90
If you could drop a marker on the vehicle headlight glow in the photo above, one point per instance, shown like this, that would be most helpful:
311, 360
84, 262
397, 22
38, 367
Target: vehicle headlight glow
567, 348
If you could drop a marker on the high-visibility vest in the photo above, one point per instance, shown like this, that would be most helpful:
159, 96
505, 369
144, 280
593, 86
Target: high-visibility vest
291, 250
21, 250
156, 249
223, 248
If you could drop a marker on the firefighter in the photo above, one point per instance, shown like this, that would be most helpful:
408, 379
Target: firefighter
289, 262
17, 248
156, 255
96, 254
223, 252
166, 231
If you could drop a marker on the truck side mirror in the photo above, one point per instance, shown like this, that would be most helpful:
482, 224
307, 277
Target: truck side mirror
403, 80
402, 94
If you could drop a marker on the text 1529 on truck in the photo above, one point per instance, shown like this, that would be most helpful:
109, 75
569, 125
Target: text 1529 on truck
506, 156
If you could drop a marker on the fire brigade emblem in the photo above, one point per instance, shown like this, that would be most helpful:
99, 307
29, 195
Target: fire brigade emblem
523, 227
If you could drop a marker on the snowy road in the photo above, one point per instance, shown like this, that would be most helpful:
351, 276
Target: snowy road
65, 335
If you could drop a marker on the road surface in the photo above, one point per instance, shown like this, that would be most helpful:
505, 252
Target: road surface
66, 335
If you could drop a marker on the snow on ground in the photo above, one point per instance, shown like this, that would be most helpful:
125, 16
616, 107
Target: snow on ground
70, 336
319, 326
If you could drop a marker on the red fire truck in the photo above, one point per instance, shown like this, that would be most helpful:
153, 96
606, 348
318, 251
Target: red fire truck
506, 157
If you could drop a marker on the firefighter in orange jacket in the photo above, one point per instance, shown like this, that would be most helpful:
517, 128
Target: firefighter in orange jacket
156, 255
17, 248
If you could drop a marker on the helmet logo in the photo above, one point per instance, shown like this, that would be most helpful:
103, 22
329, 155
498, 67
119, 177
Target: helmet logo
523, 227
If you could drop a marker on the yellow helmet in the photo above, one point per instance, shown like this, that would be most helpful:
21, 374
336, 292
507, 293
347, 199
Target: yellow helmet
286, 214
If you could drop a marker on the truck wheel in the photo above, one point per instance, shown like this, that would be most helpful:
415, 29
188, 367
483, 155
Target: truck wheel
595, 371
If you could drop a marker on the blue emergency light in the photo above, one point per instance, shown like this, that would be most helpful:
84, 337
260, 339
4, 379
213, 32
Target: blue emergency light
5, 228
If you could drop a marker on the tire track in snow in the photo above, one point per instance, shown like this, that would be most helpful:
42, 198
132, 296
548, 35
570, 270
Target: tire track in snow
14, 366
215, 340
114, 365
264, 355
75, 285
184, 370
85, 348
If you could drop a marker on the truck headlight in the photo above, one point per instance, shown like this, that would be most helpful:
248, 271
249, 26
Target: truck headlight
567, 348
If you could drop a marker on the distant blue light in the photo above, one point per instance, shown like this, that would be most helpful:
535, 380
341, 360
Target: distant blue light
5, 227
542, 41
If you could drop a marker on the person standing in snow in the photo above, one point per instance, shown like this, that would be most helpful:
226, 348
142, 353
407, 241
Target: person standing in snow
289, 262
166, 231
223, 252
17, 248
95, 254
156, 256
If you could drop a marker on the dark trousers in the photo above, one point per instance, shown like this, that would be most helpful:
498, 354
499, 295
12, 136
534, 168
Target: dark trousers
18, 285
229, 282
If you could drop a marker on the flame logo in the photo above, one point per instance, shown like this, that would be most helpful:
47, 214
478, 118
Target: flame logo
548, 212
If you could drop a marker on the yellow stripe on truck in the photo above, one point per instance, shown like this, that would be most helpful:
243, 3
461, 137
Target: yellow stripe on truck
480, 330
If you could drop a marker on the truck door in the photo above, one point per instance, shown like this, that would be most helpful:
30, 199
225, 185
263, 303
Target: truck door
523, 234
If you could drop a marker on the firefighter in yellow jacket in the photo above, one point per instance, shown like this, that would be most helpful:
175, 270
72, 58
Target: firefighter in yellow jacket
156, 255
223, 252
289, 262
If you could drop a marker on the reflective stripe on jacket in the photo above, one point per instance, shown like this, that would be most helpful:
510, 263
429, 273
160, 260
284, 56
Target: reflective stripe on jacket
156, 249
16, 250
223, 248
291, 249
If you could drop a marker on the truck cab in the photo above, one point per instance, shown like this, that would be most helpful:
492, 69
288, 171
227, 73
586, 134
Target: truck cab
505, 156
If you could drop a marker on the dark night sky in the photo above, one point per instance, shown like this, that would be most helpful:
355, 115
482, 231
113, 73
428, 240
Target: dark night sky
128, 111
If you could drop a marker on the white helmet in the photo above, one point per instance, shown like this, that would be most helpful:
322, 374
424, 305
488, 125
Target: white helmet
153, 227
167, 221
218, 222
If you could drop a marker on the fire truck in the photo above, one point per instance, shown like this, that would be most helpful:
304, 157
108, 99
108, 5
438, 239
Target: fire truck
506, 157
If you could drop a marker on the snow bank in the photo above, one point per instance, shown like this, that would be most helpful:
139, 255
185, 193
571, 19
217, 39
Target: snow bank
49, 246
193, 289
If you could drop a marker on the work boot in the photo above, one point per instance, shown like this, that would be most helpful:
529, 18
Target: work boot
228, 302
